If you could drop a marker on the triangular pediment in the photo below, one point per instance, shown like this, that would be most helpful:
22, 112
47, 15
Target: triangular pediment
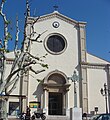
55, 14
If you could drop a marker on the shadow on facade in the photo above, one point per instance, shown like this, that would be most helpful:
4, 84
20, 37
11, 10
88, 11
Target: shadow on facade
38, 92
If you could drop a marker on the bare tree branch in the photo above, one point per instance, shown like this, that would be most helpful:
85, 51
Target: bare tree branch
6, 35
36, 72
39, 35
19, 69
1, 11
17, 33
11, 82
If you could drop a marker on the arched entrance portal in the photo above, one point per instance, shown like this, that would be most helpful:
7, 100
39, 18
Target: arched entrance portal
56, 93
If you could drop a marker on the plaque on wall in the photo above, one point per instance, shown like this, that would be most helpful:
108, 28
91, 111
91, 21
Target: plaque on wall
34, 104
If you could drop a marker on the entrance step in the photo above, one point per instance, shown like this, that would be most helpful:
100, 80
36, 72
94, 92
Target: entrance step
52, 117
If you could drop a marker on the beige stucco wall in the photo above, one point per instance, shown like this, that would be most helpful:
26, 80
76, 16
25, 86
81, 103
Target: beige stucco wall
94, 59
96, 79
65, 62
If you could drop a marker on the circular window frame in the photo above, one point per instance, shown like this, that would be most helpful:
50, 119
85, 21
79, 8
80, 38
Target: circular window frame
52, 52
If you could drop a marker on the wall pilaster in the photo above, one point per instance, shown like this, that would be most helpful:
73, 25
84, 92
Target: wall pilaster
83, 83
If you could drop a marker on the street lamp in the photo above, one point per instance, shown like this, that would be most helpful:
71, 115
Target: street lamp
105, 91
75, 79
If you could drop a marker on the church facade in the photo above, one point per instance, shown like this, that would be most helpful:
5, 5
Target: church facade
64, 42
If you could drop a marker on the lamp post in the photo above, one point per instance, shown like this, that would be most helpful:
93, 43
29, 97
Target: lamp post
75, 79
105, 91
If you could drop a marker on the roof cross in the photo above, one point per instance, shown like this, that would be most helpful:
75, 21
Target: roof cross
55, 7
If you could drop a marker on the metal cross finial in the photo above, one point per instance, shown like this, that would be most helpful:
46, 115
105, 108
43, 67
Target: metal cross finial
55, 7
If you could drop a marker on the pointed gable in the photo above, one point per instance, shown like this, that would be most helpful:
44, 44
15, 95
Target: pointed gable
55, 14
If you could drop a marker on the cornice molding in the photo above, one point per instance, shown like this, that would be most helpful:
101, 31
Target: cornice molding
9, 61
56, 15
94, 65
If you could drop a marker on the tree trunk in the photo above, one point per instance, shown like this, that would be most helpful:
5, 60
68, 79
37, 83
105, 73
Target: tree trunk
3, 109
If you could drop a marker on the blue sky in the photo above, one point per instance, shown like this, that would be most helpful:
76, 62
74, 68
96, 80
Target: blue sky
95, 12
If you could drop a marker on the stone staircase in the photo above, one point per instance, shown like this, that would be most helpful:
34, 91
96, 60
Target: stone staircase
50, 117
57, 117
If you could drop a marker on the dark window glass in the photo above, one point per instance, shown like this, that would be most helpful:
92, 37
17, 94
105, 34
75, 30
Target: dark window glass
55, 43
